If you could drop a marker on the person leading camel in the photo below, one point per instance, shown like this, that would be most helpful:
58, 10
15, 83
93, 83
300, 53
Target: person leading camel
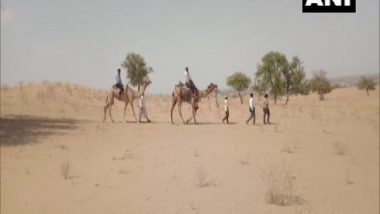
119, 83
189, 83
143, 112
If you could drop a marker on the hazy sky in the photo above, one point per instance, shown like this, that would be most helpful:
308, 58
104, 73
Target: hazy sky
86, 41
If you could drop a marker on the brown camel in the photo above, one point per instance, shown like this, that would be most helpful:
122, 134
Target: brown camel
183, 94
127, 96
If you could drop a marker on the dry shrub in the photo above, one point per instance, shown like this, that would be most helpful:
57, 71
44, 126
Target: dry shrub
287, 148
66, 170
202, 179
280, 187
340, 149
347, 177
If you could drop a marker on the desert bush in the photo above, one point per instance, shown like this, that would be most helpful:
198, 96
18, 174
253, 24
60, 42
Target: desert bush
320, 84
347, 177
280, 187
65, 170
202, 179
287, 148
367, 84
239, 82
340, 149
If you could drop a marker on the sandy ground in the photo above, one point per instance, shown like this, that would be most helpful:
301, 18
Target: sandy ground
58, 157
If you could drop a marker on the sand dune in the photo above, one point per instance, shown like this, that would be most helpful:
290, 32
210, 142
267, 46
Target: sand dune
58, 157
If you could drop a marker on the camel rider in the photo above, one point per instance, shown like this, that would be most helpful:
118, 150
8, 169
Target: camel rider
189, 82
119, 83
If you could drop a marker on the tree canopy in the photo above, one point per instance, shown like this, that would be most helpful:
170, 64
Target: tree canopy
136, 68
239, 81
367, 84
320, 84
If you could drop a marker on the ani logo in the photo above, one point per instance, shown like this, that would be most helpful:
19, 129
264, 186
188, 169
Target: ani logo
328, 6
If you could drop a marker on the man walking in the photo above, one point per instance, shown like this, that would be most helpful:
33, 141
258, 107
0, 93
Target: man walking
251, 108
266, 109
226, 110
143, 111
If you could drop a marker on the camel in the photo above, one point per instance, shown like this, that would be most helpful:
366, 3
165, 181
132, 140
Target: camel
183, 94
127, 96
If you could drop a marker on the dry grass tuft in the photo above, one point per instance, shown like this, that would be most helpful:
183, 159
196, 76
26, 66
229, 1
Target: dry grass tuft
202, 179
347, 177
280, 187
66, 170
287, 148
340, 149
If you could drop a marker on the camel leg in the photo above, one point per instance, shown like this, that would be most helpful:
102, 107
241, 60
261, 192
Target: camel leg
105, 111
125, 111
172, 108
110, 112
110, 103
192, 117
180, 110
194, 112
133, 110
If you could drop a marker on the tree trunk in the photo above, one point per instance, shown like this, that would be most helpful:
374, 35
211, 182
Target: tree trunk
321, 97
287, 95
275, 98
138, 87
241, 98
287, 99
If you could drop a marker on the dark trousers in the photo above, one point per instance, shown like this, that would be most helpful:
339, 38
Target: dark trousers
226, 115
266, 115
120, 86
252, 116
190, 84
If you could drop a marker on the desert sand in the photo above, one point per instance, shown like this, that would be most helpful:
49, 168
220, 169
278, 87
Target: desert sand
58, 157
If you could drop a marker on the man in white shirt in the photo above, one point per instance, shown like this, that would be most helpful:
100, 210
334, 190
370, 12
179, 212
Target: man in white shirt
251, 108
226, 110
189, 82
143, 111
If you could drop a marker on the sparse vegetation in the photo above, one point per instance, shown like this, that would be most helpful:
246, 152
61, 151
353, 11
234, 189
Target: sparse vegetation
239, 82
280, 76
66, 170
340, 149
320, 84
280, 187
202, 180
270, 73
347, 177
287, 148
136, 69
366, 83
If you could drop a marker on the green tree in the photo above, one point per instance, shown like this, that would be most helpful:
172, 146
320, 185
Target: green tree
298, 81
271, 72
367, 84
136, 69
320, 84
240, 82
259, 87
